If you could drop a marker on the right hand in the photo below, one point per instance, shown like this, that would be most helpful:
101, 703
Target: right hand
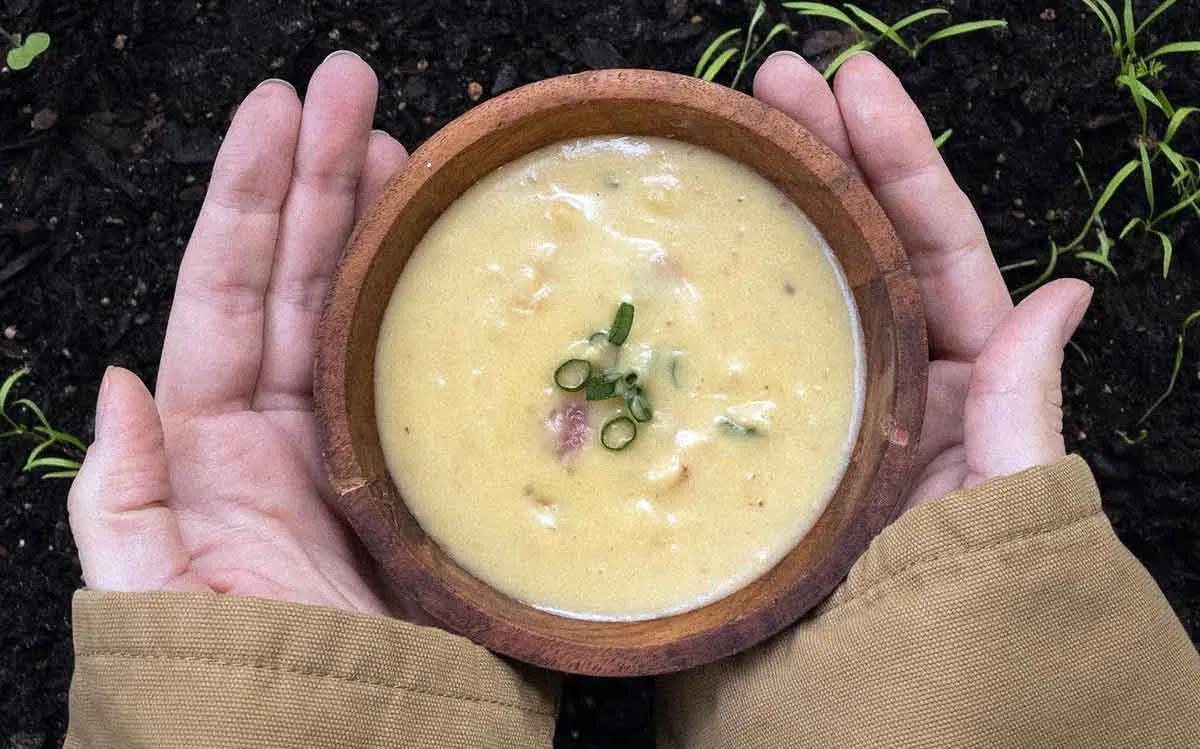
217, 483
995, 403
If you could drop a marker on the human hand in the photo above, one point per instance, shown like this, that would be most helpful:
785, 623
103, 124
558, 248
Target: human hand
994, 401
217, 483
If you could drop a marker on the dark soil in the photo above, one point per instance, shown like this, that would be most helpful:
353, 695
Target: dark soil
131, 101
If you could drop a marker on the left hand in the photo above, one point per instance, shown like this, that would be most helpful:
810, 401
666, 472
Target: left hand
217, 483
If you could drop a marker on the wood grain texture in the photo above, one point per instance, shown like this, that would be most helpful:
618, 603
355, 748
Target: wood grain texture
630, 102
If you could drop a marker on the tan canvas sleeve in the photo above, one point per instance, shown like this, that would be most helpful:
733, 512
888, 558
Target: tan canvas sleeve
190, 670
1008, 615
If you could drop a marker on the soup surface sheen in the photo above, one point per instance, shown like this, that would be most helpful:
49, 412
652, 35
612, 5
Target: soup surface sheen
744, 340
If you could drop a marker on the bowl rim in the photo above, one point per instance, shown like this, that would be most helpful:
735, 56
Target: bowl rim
357, 489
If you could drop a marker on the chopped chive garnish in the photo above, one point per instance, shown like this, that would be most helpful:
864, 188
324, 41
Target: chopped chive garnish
573, 374
617, 433
639, 407
622, 324
602, 387
602, 382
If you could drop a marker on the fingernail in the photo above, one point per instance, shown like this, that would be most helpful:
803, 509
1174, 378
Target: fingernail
273, 81
785, 53
377, 131
102, 400
340, 53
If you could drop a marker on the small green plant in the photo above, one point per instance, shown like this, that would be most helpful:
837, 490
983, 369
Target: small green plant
722, 50
1123, 32
1158, 160
880, 30
1176, 366
23, 51
55, 453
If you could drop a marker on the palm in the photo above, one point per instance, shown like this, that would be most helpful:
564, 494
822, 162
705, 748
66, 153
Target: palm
251, 514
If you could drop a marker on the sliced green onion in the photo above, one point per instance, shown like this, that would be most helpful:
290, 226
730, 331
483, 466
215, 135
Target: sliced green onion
602, 387
639, 406
573, 374
616, 434
622, 324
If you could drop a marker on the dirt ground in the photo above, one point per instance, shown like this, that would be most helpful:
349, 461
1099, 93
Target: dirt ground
106, 144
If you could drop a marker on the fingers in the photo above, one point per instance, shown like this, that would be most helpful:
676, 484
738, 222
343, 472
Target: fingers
385, 156
965, 296
334, 134
213, 345
788, 83
126, 533
1014, 402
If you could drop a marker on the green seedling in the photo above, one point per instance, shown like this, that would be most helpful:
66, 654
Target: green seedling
870, 29
23, 51
721, 51
940, 141
55, 454
1176, 366
1157, 157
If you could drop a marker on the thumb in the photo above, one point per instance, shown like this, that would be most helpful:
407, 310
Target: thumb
1013, 416
126, 533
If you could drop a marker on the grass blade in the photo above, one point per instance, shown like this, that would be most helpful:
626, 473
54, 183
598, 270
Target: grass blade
940, 141
1108, 19
964, 28
35, 410
1178, 364
1137, 91
711, 50
1147, 177
1173, 126
921, 15
1168, 249
823, 10
1133, 222
849, 52
718, 64
1189, 201
1100, 259
61, 474
881, 27
1162, 8
1174, 49
31, 465
1045, 275
56, 436
1106, 195
8, 384
1130, 29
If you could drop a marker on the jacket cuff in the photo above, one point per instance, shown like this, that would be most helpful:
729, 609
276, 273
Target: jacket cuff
1005, 615
201, 669
997, 511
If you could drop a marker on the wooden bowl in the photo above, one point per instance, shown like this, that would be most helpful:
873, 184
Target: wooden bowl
630, 102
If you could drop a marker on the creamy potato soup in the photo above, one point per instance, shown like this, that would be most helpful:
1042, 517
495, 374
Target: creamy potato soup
619, 378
